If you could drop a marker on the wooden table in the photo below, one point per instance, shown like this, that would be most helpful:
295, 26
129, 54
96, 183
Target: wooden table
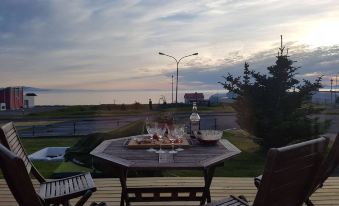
114, 153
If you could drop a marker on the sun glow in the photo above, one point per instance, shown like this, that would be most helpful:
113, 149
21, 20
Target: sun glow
323, 34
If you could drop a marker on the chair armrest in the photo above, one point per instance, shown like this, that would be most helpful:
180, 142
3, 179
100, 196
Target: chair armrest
257, 181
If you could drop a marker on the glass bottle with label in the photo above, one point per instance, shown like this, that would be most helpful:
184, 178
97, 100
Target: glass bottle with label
195, 120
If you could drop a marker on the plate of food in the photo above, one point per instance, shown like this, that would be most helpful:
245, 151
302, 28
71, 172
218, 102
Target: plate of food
144, 142
209, 136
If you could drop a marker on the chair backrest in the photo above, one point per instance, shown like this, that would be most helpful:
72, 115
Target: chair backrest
18, 179
330, 164
10, 139
290, 173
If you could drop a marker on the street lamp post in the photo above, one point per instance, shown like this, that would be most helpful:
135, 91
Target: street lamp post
336, 89
172, 88
177, 61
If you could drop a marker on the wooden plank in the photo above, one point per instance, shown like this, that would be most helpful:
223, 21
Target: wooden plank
53, 187
89, 180
7, 127
66, 187
11, 136
42, 190
57, 188
109, 190
197, 156
80, 184
48, 190
75, 184
71, 185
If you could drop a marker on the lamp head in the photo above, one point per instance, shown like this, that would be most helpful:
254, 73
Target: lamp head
160, 53
195, 53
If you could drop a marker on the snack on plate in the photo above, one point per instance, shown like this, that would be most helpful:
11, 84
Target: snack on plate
209, 136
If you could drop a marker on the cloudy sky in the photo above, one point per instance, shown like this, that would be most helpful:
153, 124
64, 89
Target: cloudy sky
109, 44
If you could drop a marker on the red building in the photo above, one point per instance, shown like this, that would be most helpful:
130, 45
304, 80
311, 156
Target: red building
194, 97
12, 97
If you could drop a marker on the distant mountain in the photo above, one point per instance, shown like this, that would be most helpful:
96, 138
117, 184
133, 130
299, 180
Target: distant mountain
34, 89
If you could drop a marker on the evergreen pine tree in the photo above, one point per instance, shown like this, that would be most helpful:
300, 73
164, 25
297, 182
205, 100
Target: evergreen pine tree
275, 107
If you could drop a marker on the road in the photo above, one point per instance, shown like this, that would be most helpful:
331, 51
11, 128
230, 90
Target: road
84, 126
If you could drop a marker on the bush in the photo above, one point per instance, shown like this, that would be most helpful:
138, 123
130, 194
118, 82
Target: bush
80, 151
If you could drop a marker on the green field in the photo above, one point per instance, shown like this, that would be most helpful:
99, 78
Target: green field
248, 164
47, 168
33, 144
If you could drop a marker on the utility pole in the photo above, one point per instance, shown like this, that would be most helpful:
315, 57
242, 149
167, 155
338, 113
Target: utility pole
336, 89
331, 90
172, 88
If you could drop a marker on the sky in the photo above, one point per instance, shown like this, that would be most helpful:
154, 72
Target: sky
114, 45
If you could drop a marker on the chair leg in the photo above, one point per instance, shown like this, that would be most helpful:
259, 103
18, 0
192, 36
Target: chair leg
84, 198
308, 202
66, 203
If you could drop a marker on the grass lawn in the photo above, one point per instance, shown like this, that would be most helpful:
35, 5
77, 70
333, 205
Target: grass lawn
47, 168
249, 163
33, 144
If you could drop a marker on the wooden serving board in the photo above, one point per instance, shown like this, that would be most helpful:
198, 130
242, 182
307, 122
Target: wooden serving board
134, 144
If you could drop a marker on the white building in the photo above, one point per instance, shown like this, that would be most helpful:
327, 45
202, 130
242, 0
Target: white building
2, 106
219, 98
29, 100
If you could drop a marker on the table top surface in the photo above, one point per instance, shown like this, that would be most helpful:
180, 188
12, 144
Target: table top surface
116, 153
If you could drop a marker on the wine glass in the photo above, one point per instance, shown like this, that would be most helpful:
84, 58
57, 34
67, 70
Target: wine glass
151, 130
172, 137
179, 133
160, 131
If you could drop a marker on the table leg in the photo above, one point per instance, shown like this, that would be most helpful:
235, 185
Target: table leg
123, 182
208, 176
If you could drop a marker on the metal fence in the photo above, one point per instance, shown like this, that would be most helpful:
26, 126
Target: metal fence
70, 128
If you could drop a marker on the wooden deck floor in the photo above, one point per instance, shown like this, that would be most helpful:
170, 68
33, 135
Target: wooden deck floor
109, 189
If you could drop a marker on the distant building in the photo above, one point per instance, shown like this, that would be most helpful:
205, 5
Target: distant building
2, 106
29, 100
194, 97
11, 98
325, 97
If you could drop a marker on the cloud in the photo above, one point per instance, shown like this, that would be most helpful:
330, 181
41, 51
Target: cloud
86, 44
313, 63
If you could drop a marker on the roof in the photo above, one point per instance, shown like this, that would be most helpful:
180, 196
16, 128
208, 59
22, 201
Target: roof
31, 94
194, 95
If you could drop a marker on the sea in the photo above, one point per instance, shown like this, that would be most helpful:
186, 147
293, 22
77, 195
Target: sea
57, 97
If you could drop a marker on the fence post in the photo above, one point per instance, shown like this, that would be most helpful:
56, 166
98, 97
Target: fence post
33, 130
118, 123
215, 123
74, 129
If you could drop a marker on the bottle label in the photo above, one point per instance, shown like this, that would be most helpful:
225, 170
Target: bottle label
194, 127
